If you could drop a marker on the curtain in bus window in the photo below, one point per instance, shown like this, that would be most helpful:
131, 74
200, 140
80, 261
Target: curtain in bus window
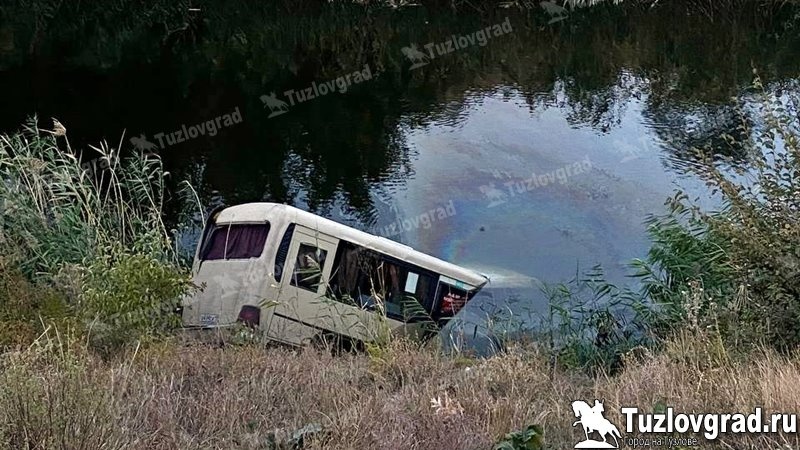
390, 278
352, 276
236, 241
345, 276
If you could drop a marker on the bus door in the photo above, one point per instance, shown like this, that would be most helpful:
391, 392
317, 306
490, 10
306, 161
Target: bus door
302, 286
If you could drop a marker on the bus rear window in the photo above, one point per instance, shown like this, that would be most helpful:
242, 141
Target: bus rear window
236, 241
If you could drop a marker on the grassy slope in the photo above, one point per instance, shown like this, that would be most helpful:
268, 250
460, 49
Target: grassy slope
170, 396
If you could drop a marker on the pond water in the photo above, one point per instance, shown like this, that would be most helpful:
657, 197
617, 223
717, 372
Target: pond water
529, 158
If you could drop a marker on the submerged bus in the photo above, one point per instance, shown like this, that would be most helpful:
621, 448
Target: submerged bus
297, 276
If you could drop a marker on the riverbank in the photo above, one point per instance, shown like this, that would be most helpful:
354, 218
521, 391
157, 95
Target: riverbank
166, 396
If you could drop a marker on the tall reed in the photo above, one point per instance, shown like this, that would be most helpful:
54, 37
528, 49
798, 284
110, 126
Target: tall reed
92, 233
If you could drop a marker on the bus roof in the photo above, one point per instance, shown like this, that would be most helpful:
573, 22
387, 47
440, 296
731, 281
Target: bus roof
278, 214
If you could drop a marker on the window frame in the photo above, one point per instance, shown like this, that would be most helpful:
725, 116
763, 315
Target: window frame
283, 256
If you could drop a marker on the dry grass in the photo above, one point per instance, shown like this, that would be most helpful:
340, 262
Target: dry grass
172, 396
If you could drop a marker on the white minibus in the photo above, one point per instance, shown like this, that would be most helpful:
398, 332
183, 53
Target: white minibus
297, 277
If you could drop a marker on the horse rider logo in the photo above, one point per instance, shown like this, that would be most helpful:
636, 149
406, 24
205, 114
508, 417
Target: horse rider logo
556, 12
631, 151
417, 58
276, 107
141, 143
494, 195
591, 419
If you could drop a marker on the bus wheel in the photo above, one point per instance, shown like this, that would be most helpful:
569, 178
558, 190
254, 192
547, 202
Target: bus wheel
337, 343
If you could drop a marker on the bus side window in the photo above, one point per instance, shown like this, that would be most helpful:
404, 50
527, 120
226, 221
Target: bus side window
363, 278
308, 267
359, 276
418, 290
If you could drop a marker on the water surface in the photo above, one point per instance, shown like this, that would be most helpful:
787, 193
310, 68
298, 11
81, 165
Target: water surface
547, 147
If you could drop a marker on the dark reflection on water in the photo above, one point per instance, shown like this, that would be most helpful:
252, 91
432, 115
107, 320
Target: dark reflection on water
632, 89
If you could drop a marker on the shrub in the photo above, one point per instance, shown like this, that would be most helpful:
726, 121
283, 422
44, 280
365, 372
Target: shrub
126, 296
529, 438
738, 269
